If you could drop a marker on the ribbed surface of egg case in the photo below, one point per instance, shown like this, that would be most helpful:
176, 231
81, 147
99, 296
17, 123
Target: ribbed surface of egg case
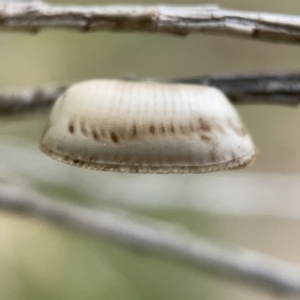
146, 128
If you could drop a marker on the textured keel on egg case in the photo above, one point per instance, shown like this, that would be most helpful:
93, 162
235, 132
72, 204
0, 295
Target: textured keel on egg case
242, 162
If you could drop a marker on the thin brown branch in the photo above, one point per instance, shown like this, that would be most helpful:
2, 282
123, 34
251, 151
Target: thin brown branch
181, 20
279, 89
29, 100
156, 238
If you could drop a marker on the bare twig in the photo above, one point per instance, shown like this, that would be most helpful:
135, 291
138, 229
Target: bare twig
181, 20
157, 238
281, 89
29, 100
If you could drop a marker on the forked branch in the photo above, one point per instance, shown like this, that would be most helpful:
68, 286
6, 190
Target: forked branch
156, 238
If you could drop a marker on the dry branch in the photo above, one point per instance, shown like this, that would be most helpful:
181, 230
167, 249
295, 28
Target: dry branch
281, 89
29, 100
180, 20
156, 238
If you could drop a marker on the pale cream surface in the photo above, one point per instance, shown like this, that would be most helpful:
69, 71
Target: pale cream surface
147, 127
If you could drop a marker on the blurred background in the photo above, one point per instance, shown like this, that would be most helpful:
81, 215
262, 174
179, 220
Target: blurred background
258, 208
